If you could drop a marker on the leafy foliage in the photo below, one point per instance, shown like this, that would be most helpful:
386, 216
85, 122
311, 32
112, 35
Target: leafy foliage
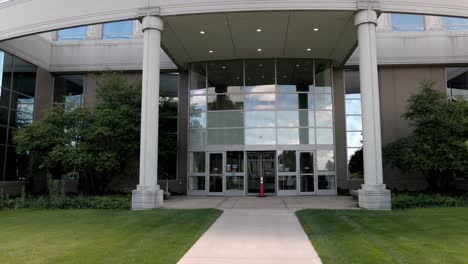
436, 147
356, 164
402, 201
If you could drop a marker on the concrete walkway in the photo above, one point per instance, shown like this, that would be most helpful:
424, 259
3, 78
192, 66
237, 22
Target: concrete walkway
245, 236
255, 230
252, 202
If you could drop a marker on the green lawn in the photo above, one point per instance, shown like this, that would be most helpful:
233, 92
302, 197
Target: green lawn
432, 235
100, 236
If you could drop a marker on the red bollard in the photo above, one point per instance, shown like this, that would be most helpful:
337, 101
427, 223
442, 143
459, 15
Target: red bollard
262, 190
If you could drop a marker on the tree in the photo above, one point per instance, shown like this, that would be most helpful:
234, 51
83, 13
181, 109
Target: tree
356, 164
436, 147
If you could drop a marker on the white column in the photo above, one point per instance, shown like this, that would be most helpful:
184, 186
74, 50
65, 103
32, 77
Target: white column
373, 193
137, 31
94, 32
148, 195
433, 23
385, 23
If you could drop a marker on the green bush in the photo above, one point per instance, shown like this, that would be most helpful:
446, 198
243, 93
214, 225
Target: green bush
66, 202
401, 201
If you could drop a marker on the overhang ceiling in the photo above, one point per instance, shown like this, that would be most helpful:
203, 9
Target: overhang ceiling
284, 34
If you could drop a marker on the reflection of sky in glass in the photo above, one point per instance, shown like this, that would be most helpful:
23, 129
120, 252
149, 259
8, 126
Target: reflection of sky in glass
323, 102
454, 23
406, 22
26, 105
353, 123
353, 96
198, 103
260, 89
260, 136
323, 89
197, 120
198, 91
260, 101
76, 33
288, 136
2, 55
354, 139
325, 160
288, 118
72, 101
324, 118
353, 107
260, 119
121, 30
197, 137
324, 136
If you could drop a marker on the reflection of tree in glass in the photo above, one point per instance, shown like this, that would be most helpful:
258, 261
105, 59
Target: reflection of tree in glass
195, 117
356, 165
330, 165
223, 102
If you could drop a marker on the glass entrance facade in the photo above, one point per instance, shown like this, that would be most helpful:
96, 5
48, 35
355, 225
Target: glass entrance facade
261, 117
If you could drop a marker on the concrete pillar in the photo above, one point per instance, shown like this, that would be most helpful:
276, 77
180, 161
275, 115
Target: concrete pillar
385, 23
94, 32
148, 195
433, 23
373, 193
44, 93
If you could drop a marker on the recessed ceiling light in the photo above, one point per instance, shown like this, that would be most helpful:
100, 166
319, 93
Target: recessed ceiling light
259, 30
309, 49
261, 65
316, 29
263, 76
284, 76
259, 50
210, 51
297, 65
224, 67
202, 32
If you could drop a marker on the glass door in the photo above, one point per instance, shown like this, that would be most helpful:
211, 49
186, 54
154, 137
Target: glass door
261, 164
307, 177
215, 178
235, 173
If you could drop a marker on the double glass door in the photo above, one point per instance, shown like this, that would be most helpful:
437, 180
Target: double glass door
215, 178
261, 164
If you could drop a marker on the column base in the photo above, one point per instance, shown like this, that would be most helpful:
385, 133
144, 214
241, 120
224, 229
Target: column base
147, 198
375, 197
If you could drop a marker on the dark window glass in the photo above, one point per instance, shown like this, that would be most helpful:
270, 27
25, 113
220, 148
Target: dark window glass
225, 77
295, 75
6, 64
3, 135
24, 77
69, 90
286, 161
457, 83
259, 72
5, 97
198, 78
235, 161
4, 116
323, 81
225, 102
2, 162
306, 162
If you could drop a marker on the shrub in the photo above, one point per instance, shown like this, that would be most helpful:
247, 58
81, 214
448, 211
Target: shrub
401, 201
66, 202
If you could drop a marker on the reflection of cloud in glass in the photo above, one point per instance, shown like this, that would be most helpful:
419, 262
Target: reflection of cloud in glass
198, 103
353, 107
260, 89
325, 160
260, 101
288, 136
288, 118
260, 136
260, 119
323, 102
354, 123
197, 120
324, 118
354, 139
324, 136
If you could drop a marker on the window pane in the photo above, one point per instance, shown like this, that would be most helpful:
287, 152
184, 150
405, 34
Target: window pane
76, 33
307, 136
322, 76
197, 162
306, 119
260, 136
216, 163
235, 183
354, 123
352, 84
225, 102
225, 119
353, 107
260, 89
197, 120
226, 136
287, 161
69, 90
287, 183
406, 22
295, 101
198, 103
225, 76
355, 163
288, 118
326, 182
295, 75
198, 78
306, 162
326, 160
259, 72
288, 136
324, 118
354, 139
118, 30
324, 136
323, 102
235, 161
307, 183
260, 119
197, 137
197, 183
260, 101
457, 82
454, 23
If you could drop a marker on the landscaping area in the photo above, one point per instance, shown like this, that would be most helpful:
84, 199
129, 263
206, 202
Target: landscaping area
100, 236
425, 235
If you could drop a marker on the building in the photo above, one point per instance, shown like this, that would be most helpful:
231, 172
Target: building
284, 90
